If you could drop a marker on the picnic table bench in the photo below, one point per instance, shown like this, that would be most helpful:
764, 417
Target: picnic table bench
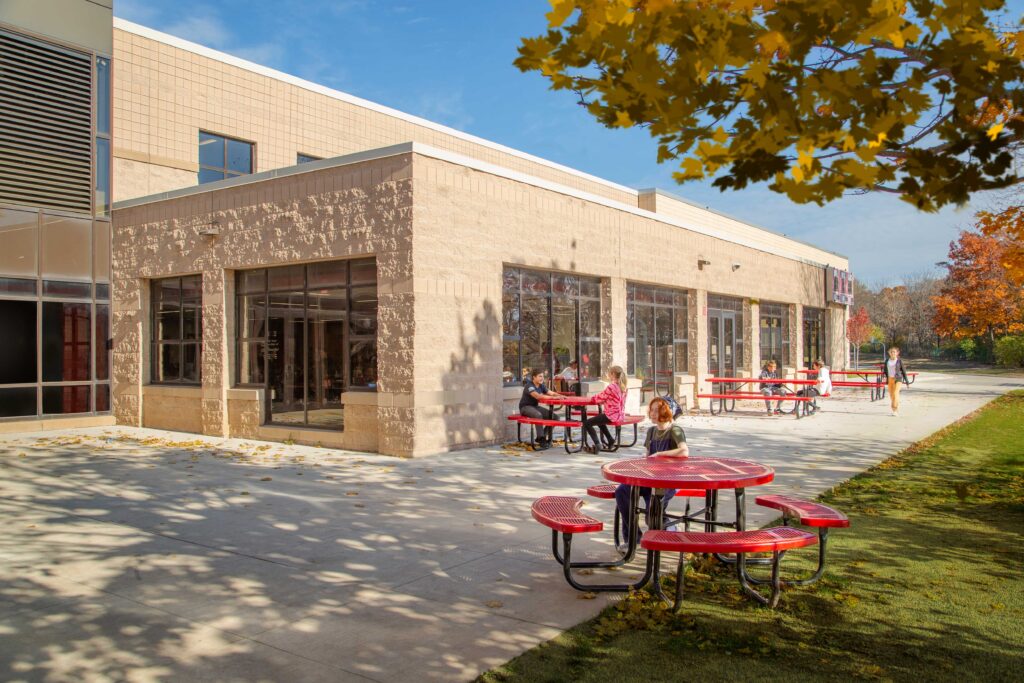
580, 403
869, 379
732, 390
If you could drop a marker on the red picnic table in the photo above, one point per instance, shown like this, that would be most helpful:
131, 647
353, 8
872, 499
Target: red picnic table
733, 391
869, 379
581, 404
661, 473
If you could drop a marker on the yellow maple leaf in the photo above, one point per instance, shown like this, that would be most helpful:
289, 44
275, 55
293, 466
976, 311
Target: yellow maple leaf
560, 11
994, 131
720, 136
798, 173
622, 120
693, 168
620, 12
876, 143
849, 143
805, 158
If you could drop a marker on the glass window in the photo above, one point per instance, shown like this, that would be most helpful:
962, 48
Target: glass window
657, 333
18, 402
74, 290
10, 285
66, 248
102, 341
301, 158
814, 335
102, 177
67, 341
65, 400
18, 233
550, 321
223, 157
18, 359
103, 95
177, 329
774, 333
101, 251
308, 333
102, 398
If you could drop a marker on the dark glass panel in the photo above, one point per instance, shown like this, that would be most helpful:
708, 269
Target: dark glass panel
211, 152
287, 277
680, 299
565, 286
192, 288
534, 333
18, 402
682, 357
364, 310
169, 289
645, 342
168, 322
18, 357
563, 329
191, 362
191, 322
364, 271
663, 297
209, 175
239, 156
102, 398
250, 362
102, 335
305, 158
664, 361
67, 341
285, 356
644, 295
590, 360
631, 357
363, 364
328, 274
66, 400
590, 320
252, 281
76, 290
252, 316
168, 363
10, 285
102, 292
325, 327
681, 325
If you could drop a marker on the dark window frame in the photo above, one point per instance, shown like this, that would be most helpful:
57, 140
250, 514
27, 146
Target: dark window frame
517, 370
679, 338
228, 172
778, 314
180, 342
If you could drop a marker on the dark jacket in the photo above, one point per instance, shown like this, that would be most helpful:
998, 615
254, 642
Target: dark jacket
901, 374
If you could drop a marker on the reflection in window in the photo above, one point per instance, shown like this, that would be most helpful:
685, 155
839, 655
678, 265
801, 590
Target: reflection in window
177, 330
305, 158
775, 333
308, 333
65, 400
67, 341
18, 402
222, 157
18, 360
18, 233
549, 321
814, 335
657, 336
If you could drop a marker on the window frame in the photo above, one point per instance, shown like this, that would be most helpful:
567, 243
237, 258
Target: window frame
227, 172
772, 310
155, 343
675, 295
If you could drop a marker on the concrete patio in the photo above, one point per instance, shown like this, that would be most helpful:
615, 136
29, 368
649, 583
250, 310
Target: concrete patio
137, 555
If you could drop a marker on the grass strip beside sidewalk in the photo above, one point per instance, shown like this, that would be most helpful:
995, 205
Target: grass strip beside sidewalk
926, 584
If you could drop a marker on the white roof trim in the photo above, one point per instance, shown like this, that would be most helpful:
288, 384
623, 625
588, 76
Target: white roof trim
225, 58
484, 167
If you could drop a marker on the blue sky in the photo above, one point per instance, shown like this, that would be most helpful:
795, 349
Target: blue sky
451, 61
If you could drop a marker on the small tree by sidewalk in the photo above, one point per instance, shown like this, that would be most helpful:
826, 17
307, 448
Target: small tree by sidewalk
858, 331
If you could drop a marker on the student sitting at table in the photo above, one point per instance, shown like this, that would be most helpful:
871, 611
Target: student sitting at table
771, 388
664, 438
530, 406
613, 398
824, 385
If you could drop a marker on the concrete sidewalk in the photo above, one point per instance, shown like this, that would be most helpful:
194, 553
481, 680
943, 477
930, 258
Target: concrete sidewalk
132, 554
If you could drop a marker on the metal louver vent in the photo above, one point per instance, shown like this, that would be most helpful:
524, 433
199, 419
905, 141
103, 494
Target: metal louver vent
45, 125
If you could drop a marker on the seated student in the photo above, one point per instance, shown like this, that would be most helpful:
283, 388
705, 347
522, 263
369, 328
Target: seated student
771, 388
821, 372
530, 406
571, 376
664, 438
613, 398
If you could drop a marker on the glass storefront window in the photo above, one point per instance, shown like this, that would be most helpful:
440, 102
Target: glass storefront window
308, 333
67, 341
18, 360
657, 334
177, 330
775, 333
549, 321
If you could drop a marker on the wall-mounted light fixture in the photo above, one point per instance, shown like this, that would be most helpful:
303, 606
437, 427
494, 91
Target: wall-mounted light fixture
735, 267
211, 229
701, 262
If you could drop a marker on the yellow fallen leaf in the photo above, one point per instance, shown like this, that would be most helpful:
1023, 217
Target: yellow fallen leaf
494, 604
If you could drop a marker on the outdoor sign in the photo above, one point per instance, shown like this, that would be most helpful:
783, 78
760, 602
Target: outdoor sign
838, 286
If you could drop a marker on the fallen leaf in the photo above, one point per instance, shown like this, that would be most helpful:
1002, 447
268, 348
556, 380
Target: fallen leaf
266, 479
494, 604
586, 596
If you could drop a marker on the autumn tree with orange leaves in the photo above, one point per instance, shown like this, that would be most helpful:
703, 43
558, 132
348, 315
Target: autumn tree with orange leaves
1007, 227
979, 298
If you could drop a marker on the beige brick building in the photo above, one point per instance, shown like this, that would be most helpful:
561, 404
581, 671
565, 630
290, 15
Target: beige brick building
389, 296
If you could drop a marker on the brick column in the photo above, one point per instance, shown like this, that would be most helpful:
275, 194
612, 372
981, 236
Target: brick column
699, 338
130, 367
796, 335
218, 330
613, 322
754, 325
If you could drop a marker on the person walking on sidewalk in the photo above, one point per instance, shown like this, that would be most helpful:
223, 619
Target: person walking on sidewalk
894, 373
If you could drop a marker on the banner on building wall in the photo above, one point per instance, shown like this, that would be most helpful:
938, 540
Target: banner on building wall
838, 286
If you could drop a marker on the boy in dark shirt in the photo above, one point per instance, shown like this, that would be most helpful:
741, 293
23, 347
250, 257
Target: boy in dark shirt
530, 406
770, 389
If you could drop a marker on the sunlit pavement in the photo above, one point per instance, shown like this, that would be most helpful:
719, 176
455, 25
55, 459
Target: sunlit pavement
132, 554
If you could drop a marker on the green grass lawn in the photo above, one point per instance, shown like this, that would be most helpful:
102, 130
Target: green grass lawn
925, 585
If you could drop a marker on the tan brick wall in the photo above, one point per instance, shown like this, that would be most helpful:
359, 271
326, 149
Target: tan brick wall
164, 95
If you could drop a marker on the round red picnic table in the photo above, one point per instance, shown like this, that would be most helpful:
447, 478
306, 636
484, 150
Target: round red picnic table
711, 474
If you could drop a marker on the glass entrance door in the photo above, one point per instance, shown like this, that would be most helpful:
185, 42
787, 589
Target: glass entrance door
722, 346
